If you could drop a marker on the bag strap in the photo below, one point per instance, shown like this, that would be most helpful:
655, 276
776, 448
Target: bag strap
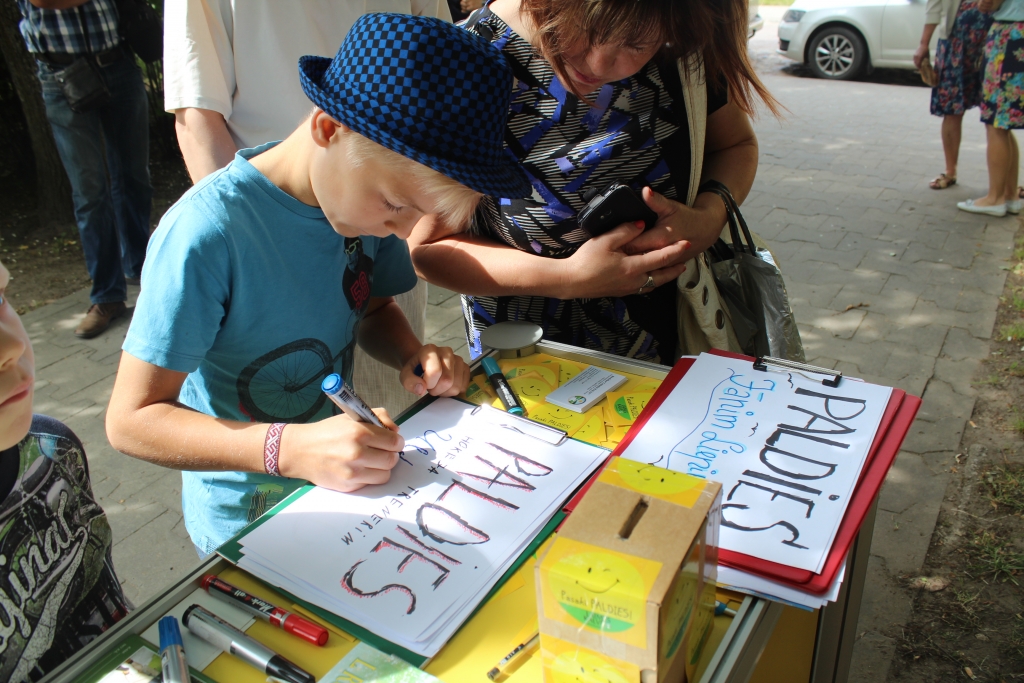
737, 224
695, 98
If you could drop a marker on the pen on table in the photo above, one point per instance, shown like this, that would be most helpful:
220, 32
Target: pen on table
276, 616
521, 652
172, 652
346, 399
723, 608
219, 633
508, 397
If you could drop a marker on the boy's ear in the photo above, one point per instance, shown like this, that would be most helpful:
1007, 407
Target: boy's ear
324, 128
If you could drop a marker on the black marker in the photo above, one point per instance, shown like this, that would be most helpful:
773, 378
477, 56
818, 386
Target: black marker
508, 397
222, 635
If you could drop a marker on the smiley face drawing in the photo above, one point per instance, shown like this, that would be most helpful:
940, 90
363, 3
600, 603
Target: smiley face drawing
600, 590
653, 480
582, 666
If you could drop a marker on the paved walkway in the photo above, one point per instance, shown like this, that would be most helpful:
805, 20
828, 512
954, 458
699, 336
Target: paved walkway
888, 280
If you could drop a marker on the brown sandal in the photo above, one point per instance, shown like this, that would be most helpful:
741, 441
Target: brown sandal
942, 182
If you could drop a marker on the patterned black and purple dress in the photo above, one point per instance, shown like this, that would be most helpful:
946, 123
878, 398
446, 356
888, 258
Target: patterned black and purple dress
636, 133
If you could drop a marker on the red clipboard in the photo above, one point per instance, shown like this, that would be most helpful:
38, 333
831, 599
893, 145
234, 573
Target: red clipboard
892, 429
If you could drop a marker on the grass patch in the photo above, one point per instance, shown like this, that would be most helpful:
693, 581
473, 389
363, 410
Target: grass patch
995, 557
1006, 485
991, 380
1014, 332
1018, 302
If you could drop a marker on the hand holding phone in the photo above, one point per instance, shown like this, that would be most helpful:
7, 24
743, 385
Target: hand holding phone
613, 206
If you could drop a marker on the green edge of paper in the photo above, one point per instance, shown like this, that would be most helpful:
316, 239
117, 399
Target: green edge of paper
387, 646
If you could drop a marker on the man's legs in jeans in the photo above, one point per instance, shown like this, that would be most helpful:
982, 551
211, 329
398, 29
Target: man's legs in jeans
125, 123
79, 139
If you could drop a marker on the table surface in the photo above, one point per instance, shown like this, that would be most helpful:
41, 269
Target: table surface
507, 619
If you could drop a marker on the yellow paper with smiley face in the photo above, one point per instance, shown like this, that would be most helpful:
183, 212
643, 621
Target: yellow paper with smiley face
674, 487
566, 369
565, 662
531, 389
592, 430
586, 586
568, 421
625, 406
479, 391
512, 369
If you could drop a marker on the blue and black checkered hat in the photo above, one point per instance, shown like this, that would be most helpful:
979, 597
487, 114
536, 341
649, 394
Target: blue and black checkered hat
426, 89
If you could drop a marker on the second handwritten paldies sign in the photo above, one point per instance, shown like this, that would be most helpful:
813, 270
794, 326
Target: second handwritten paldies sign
787, 449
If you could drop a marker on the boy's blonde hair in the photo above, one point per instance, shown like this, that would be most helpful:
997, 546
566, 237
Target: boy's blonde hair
454, 202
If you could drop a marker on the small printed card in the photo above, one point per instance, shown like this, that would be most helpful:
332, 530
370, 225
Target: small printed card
365, 663
586, 389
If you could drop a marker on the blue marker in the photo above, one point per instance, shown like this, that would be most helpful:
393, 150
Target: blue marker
346, 399
508, 397
172, 653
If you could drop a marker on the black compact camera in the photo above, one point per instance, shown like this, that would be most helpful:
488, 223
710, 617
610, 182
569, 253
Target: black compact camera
613, 206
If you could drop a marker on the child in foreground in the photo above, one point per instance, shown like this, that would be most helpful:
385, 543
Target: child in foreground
58, 590
263, 277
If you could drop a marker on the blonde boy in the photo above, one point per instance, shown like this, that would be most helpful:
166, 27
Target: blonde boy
58, 589
263, 277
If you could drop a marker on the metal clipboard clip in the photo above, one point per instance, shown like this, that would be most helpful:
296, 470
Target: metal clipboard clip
522, 425
763, 362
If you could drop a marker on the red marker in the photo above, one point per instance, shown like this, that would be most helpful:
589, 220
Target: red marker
283, 619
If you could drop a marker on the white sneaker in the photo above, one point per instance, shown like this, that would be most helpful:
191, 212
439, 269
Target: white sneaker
1014, 206
998, 210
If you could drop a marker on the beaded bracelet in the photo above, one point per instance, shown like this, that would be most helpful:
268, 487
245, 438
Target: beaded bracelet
272, 448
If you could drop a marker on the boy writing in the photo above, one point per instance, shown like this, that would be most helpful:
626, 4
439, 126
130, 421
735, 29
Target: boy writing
58, 590
261, 279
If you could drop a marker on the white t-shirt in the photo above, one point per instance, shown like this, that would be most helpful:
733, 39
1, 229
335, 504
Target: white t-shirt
240, 57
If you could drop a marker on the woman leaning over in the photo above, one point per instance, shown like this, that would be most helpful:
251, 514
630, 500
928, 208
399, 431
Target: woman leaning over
599, 98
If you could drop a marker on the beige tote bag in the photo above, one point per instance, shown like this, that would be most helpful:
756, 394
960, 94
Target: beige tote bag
701, 316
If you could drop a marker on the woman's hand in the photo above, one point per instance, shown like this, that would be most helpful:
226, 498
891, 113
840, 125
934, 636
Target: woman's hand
694, 230
600, 267
920, 54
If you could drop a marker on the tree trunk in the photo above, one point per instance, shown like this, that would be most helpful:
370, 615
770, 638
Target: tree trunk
53, 191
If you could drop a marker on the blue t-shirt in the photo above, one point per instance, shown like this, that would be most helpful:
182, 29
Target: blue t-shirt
255, 295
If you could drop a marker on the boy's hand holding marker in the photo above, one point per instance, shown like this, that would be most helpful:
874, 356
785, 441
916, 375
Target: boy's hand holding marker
341, 454
435, 370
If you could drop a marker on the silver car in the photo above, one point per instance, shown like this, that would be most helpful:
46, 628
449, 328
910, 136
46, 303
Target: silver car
839, 39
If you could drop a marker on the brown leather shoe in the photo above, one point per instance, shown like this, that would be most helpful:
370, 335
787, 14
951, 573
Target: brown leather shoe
98, 319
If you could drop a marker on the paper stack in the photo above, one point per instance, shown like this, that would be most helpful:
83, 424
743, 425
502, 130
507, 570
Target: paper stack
411, 559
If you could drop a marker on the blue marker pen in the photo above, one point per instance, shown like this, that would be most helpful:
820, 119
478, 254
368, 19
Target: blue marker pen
172, 653
508, 397
346, 399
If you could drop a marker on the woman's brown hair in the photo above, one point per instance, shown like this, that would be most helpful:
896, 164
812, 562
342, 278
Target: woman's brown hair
714, 30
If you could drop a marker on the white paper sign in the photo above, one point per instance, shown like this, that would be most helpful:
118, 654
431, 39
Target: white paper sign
407, 558
787, 449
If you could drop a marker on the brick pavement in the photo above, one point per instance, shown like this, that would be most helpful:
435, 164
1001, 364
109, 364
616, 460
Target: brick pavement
888, 280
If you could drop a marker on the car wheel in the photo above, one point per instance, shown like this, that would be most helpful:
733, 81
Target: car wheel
837, 53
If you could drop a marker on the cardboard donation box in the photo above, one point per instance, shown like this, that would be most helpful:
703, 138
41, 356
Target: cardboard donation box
626, 590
